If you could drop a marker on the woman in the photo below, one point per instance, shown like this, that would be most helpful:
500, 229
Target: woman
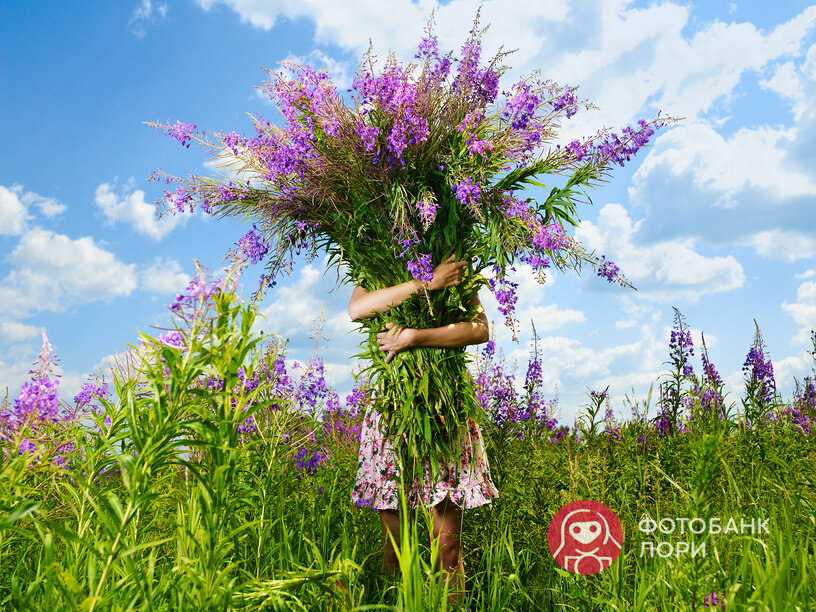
464, 482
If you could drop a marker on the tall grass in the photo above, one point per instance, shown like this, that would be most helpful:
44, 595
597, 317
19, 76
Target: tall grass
212, 481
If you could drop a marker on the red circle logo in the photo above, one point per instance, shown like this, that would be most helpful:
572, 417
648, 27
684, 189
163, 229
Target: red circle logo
585, 537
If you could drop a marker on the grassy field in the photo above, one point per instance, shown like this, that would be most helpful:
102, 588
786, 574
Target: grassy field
210, 478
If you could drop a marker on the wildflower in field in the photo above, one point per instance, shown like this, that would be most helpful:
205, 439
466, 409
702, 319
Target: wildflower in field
307, 462
713, 599
343, 425
88, 394
681, 347
312, 386
758, 371
802, 408
611, 429
643, 443
38, 400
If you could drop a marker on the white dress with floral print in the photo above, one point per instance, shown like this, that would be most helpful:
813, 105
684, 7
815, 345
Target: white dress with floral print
467, 481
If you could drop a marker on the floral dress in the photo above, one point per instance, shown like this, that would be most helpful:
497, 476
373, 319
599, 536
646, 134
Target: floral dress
466, 480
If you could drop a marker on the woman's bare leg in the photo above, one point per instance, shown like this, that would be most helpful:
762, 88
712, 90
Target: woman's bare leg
389, 520
447, 526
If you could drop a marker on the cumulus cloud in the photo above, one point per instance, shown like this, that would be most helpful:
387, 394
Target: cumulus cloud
664, 271
15, 205
49, 207
280, 314
163, 276
131, 207
51, 270
398, 25
647, 58
803, 311
14, 331
12, 211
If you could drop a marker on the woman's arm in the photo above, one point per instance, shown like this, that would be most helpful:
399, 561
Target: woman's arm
364, 304
395, 339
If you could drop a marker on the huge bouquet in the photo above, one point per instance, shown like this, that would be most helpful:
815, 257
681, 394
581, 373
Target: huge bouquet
410, 165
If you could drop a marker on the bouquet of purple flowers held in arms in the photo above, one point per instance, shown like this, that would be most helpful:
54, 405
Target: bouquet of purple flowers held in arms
426, 160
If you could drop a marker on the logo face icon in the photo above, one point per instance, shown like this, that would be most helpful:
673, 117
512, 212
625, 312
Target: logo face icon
585, 537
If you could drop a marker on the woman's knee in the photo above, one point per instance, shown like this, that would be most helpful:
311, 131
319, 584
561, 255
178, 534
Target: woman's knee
449, 550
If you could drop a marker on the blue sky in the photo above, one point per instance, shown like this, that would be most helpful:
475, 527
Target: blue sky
716, 218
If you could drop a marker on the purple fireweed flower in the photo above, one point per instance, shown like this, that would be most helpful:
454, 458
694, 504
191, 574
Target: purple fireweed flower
710, 374
579, 150
307, 461
363, 503
619, 150
468, 193
181, 132
662, 423
45, 360
598, 395
759, 370
712, 599
368, 134
566, 100
197, 289
427, 211
359, 398
89, 391
608, 270
172, 338
341, 425
251, 247
422, 268
312, 386
234, 141
560, 434
479, 147
37, 401
643, 443
428, 47
521, 105
505, 292
681, 348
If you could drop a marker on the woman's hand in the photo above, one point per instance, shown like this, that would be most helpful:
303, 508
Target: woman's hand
395, 339
448, 273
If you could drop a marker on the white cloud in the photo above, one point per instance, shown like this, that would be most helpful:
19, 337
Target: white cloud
49, 207
14, 331
787, 82
51, 270
664, 271
132, 208
12, 211
295, 307
784, 245
398, 25
803, 311
163, 276
638, 58
145, 13
750, 158
15, 205
795, 366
